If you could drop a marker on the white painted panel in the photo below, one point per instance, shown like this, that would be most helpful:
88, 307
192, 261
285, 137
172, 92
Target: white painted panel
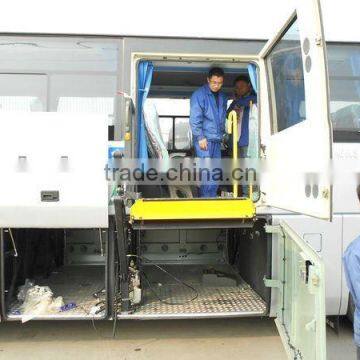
346, 180
103, 18
61, 151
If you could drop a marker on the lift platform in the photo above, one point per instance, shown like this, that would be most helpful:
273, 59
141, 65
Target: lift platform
192, 213
202, 213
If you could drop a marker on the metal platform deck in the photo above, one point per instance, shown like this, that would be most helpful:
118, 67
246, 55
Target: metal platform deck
213, 300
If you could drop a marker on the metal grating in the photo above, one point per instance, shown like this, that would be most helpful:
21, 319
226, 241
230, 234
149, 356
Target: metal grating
210, 300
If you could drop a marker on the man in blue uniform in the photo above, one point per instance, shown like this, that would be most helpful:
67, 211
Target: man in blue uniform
241, 104
352, 273
207, 121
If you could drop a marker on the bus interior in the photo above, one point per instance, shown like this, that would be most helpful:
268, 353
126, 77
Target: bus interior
166, 115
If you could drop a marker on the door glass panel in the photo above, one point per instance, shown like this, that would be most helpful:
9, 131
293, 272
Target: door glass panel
287, 78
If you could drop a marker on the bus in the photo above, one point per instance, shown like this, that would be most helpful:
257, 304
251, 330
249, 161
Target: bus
76, 244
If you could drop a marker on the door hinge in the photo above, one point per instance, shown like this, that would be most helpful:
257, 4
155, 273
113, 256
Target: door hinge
272, 283
326, 193
273, 229
318, 40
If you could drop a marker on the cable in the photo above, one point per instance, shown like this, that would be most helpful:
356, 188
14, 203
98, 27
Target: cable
114, 192
102, 302
202, 253
115, 299
115, 303
99, 293
97, 331
165, 301
172, 276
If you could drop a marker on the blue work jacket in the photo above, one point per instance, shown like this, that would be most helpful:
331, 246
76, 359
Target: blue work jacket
352, 272
207, 120
245, 102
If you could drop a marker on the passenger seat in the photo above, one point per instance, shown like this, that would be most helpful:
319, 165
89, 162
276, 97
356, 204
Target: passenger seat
157, 147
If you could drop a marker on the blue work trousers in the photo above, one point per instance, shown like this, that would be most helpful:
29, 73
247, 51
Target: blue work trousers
210, 186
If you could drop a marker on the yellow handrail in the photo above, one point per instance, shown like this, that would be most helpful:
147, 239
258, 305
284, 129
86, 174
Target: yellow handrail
251, 185
233, 129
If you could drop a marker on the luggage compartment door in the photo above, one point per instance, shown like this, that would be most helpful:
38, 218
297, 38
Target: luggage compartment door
53, 170
298, 149
300, 319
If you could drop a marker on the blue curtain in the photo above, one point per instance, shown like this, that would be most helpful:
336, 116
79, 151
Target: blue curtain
355, 67
253, 76
253, 147
145, 74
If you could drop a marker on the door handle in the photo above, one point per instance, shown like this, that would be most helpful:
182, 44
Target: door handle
129, 111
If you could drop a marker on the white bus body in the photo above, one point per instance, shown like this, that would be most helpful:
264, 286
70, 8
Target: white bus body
49, 67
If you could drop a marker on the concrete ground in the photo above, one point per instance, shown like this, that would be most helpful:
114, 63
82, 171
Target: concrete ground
253, 339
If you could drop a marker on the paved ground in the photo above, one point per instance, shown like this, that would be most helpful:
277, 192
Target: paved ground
253, 339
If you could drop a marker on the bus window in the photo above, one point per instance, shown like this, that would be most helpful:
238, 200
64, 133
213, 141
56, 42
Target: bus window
344, 74
23, 92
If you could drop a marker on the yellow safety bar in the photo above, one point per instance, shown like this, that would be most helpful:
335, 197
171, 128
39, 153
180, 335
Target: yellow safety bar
251, 185
232, 128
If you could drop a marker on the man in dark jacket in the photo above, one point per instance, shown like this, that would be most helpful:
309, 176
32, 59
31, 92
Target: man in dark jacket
241, 104
244, 97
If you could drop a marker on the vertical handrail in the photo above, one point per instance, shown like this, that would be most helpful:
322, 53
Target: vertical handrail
233, 128
251, 184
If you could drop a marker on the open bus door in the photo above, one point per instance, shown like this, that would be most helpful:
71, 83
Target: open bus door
298, 153
299, 149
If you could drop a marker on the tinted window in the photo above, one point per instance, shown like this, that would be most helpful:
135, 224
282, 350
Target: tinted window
344, 74
23, 92
287, 80
183, 135
178, 126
